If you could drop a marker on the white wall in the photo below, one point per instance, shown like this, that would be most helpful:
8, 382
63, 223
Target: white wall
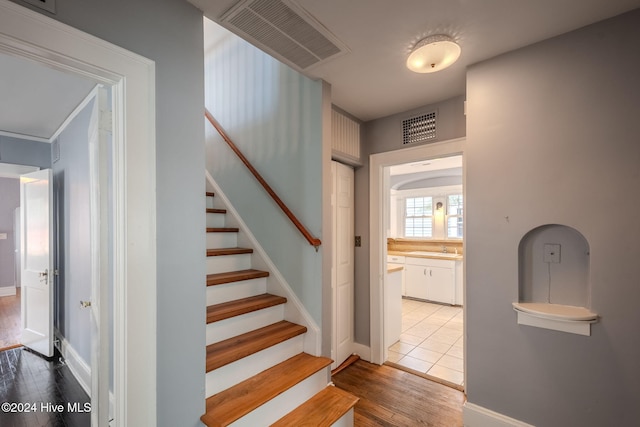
552, 138
274, 115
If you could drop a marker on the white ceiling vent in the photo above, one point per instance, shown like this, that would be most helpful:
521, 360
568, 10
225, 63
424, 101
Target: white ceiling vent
420, 128
285, 30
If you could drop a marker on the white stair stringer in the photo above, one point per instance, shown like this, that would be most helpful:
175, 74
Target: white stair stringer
238, 325
232, 291
240, 370
276, 284
284, 403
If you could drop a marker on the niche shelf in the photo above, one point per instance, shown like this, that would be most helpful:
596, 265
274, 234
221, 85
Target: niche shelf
554, 291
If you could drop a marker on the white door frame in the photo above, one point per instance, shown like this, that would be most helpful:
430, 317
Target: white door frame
33, 36
378, 232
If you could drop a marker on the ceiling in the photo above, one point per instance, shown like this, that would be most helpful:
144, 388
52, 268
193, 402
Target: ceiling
371, 80
34, 99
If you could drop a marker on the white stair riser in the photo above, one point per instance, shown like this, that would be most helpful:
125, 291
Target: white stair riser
215, 220
233, 373
218, 294
222, 240
345, 421
284, 403
227, 328
210, 202
223, 263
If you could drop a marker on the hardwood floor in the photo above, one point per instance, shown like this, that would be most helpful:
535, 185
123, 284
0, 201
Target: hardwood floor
391, 397
53, 396
10, 321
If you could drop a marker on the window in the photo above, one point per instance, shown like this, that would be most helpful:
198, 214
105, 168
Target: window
454, 216
418, 217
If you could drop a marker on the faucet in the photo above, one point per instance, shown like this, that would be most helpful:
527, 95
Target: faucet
444, 249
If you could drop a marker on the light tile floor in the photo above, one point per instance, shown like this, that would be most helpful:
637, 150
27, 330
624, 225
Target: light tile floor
431, 341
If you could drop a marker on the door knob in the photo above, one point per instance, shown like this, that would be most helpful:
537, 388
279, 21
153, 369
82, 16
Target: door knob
44, 276
85, 304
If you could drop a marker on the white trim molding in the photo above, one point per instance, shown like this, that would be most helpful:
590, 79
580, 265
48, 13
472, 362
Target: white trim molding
31, 35
7, 291
477, 416
77, 365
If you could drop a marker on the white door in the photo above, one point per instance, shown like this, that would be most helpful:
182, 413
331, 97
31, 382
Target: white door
343, 264
37, 259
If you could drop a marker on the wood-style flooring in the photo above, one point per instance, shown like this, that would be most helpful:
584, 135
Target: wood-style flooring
40, 392
391, 397
10, 321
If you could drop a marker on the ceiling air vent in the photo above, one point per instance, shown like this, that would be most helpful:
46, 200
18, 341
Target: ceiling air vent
420, 128
285, 30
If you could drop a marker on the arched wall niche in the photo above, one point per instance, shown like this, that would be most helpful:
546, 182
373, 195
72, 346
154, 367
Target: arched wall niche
554, 266
554, 289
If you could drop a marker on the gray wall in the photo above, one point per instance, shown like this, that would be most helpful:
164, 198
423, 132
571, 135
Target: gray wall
25, 152
9, 201
380, 136
170, 33
552, 138
73, 246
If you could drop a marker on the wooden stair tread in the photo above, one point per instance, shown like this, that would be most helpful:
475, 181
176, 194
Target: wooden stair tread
235, 402
228, 351
322, 410
216, 211
222, 230
235, 276
242, 306
229, 251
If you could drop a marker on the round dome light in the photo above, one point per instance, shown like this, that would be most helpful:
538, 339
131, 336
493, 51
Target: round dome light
433, 53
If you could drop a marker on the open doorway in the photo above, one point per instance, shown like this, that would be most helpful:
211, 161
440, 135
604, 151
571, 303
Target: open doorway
424, 224
10, 267
57, 125
424, 326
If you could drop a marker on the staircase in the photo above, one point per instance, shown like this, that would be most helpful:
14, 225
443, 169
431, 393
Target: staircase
257, 373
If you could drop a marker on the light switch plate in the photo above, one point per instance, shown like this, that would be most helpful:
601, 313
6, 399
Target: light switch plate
48, 5
3, 236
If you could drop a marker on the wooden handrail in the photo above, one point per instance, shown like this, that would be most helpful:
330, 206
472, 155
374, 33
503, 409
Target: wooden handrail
314, 241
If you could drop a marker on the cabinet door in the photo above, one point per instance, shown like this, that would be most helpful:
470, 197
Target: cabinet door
440, 284
416, 281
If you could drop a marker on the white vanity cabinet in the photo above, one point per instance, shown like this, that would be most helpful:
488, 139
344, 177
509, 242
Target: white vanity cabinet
431, 279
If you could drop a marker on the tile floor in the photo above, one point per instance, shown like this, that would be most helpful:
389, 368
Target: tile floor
431, 341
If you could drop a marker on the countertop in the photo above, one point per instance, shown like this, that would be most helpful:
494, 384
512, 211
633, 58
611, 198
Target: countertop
392, 268
425, 254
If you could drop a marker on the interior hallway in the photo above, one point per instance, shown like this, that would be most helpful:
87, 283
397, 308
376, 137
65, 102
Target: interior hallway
10, 321
431, 341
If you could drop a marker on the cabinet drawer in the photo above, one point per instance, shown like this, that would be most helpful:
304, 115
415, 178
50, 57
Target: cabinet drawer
431, 262
397, 259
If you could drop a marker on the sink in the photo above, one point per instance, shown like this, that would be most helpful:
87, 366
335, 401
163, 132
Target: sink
438, 254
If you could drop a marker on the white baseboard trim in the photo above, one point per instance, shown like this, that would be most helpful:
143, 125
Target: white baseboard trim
7, 291
78, 367
363, 351
477, 416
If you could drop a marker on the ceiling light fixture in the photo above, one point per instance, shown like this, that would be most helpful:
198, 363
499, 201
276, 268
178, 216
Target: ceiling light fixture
433, 53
